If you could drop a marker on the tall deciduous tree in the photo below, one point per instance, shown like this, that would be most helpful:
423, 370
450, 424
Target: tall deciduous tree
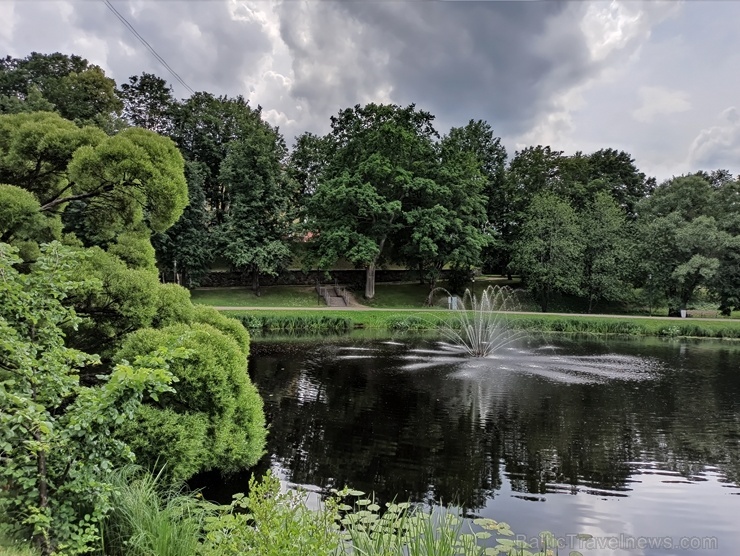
255, 233
606, 251
70, 85
205, 126
549, 251
477, 138
620, 178
381, 164
186, 250
531, 171
447, 225
682, 242
148, 102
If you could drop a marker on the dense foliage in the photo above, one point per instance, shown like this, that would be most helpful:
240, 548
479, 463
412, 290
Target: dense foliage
56, 435
79, 297
214, 418
382, 187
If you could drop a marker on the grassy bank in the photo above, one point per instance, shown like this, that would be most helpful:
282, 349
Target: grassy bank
271, 296
340, 320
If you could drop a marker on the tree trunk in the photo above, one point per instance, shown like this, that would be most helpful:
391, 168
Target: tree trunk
370, 272
41, 540
370, 281
421, 274
256, 281
544, 301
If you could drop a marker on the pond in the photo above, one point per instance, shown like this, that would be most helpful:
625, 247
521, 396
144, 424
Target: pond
636, 442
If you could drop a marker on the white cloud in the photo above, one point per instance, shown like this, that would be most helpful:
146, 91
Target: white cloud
7, 16
718, 146
610, 27
659, 101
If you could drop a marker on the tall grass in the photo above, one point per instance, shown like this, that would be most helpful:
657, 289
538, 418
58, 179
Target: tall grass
295, 323
12, 547
149, 518
344, 320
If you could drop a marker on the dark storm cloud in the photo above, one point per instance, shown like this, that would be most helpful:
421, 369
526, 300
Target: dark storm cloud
201, 41
500, 60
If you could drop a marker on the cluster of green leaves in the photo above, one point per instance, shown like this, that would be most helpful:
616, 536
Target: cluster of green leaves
60, 178
56, 435
273, 521
214, 419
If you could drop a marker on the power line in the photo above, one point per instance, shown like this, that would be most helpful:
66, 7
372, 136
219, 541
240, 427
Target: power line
143, 41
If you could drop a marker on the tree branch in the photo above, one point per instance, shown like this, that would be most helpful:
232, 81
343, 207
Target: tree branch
59, 200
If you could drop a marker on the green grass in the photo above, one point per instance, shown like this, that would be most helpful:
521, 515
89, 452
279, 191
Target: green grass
431, 319
271, 296
414, 296
149, 518
10, 546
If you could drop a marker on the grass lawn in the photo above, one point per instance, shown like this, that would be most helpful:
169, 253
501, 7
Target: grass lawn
396, 296
271, 296
414, 295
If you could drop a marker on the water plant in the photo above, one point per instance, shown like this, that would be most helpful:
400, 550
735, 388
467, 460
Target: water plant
480, 327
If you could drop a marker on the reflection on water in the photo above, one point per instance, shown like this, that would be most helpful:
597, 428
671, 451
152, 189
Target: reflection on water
633, 437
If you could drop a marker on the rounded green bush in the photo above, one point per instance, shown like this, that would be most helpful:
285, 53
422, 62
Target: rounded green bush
230, 327
215, 418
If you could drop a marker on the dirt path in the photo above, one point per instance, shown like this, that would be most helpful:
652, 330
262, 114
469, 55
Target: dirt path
365, 308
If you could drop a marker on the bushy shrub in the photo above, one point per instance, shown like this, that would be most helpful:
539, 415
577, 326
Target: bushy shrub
213, 420
231, 327
173, 306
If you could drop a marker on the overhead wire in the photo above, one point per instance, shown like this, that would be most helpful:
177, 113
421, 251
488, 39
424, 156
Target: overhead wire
149, 47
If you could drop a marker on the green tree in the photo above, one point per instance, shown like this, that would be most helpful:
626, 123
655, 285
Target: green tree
620, 178
682, 243
255, 233
185, 250
70, 85
447, 224
57, 445
477, 138
98, 186
531, 171
549, 251
606, 251
148, 102
381, 163
205, 125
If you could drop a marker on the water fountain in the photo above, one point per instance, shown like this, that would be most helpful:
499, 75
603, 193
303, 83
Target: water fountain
480, 327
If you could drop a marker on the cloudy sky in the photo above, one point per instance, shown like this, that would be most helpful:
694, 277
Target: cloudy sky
658, 79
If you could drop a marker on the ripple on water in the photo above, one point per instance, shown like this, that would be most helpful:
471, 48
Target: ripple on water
543, 362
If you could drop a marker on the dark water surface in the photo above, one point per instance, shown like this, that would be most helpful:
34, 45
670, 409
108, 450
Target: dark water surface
637, 441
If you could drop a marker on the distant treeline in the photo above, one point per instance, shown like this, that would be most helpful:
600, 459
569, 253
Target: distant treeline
384, 186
